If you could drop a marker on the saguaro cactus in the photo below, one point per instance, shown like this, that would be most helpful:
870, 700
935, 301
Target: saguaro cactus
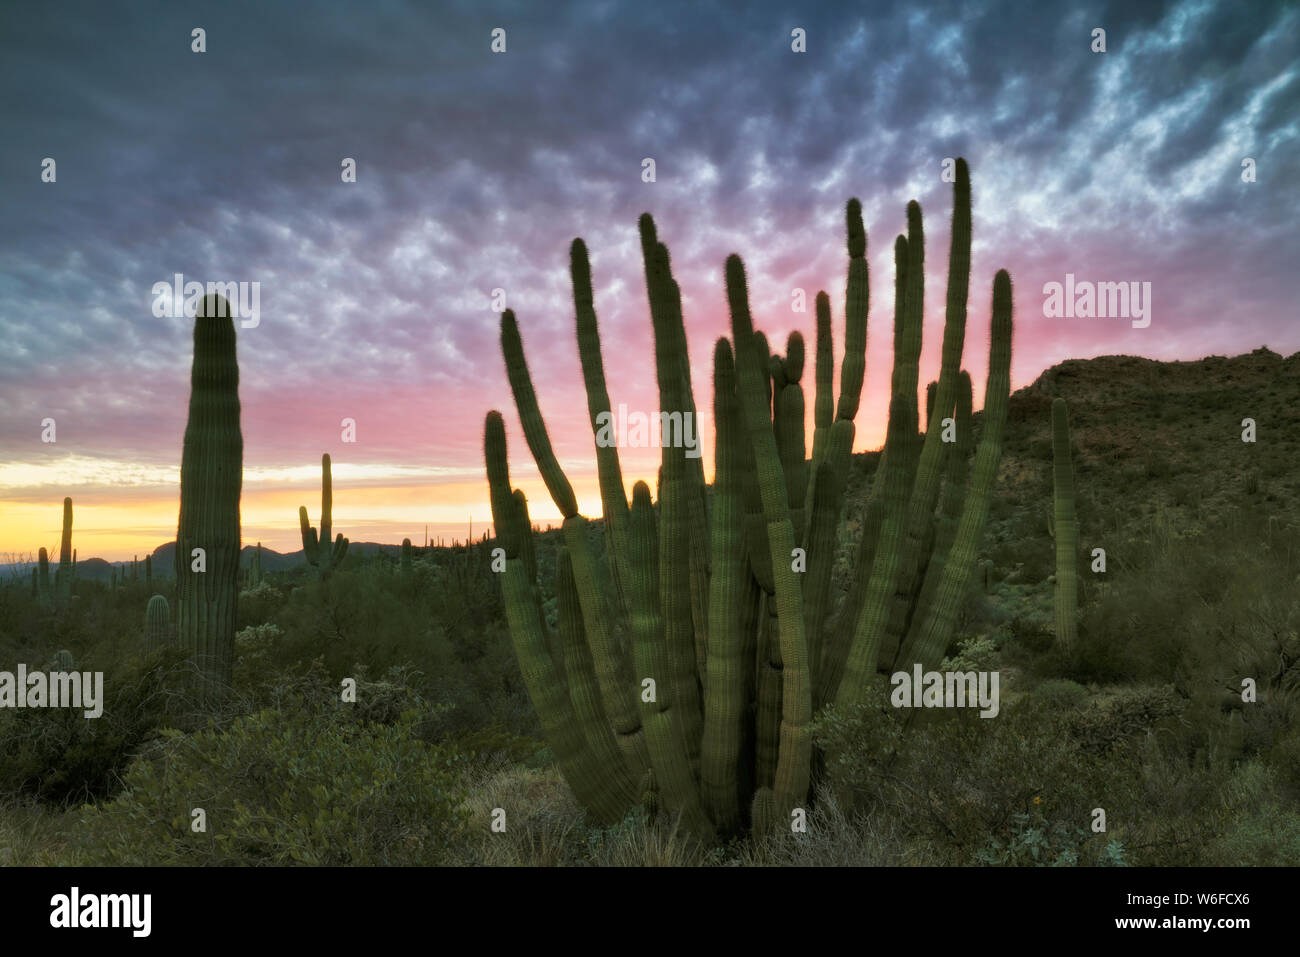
157, 623
45, 593
317, 549
1066, 528
702, 664
208, 533
406, 556
63, 576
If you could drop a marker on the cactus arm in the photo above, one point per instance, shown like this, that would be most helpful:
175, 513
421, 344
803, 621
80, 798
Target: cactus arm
725, 700
539, 443
872, 624
794, 762
547, 690
618, 788
939, 619
672, 765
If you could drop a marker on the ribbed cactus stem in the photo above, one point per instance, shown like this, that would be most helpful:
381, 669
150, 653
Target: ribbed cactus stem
208, 531
1066, 526
928, 642
157, 623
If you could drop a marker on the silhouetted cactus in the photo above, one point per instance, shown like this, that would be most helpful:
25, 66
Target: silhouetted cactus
63, 577
157, 623
317, 548
1065, 528
702, 664
208, 533
45, 592
406, 556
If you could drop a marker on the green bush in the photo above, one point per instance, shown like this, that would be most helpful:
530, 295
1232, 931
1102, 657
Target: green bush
58, 755
299, 786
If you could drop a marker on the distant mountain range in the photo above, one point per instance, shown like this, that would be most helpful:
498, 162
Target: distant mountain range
164, 561
1146, 434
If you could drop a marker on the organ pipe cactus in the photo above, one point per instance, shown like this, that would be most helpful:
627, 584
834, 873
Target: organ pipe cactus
317, 548
1065, 528
157, 623
691, 659
208, 533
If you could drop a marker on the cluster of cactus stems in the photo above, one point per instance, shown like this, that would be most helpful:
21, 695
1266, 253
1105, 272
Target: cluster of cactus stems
317, 547
687, 665
1065, 528
212, 463
157, 623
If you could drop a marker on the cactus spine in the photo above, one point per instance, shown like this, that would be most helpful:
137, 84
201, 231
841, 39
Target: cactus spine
317, 548
1066, 528
700, 667
208, 532
157, 623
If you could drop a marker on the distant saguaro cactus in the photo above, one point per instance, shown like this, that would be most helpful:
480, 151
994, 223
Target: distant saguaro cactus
1066, 528
157, 623
317, 549
45, 593
63, 579
212, 473
406, 556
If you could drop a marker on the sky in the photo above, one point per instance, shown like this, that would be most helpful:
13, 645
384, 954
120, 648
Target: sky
475, 169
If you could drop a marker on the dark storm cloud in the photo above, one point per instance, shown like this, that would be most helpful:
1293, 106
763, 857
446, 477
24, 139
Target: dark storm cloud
476, 170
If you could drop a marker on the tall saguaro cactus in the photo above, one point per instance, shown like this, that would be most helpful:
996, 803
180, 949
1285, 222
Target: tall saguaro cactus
63, 576
692, 680
212, 472
317, 548
1066, 528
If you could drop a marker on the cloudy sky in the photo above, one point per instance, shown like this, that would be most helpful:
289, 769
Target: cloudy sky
475, 170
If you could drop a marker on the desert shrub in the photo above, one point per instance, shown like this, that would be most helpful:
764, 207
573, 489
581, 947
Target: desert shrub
298, 786
1118, 715
1198, 611
1061, 694
58, 755
1261, 826
1015, 789
258, 604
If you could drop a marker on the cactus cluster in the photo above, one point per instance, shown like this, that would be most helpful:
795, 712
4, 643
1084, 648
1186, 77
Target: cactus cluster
689, 662
317, 549
208, 531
